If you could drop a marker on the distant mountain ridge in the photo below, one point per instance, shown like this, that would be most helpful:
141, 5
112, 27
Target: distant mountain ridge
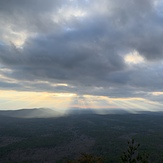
30, 113
49, 113
46, 112
78, 111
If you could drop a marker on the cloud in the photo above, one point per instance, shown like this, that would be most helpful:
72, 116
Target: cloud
101, 48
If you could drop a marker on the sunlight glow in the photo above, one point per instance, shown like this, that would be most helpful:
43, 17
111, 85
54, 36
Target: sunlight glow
63, 101
19, 100
60, 84
17, 38
157, 93
7, 79
134, 58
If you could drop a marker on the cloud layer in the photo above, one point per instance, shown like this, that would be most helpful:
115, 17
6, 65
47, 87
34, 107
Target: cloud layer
81, 47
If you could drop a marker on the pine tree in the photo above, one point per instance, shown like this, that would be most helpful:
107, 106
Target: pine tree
132, 155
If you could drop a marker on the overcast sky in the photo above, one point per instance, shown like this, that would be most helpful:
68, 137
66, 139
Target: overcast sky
81, 53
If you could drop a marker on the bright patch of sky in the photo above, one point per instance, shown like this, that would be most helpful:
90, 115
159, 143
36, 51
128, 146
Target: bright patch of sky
134, 58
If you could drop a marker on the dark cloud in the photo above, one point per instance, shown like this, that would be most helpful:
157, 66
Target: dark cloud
9, 86
62, 58
87, 52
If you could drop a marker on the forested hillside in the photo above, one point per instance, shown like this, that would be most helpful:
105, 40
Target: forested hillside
65, 138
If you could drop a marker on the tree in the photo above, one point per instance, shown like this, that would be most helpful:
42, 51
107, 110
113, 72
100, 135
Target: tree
132, 155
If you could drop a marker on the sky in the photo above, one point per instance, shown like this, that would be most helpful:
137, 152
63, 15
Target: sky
81, 53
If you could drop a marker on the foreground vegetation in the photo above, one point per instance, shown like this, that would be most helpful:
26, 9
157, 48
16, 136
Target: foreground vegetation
65, 138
